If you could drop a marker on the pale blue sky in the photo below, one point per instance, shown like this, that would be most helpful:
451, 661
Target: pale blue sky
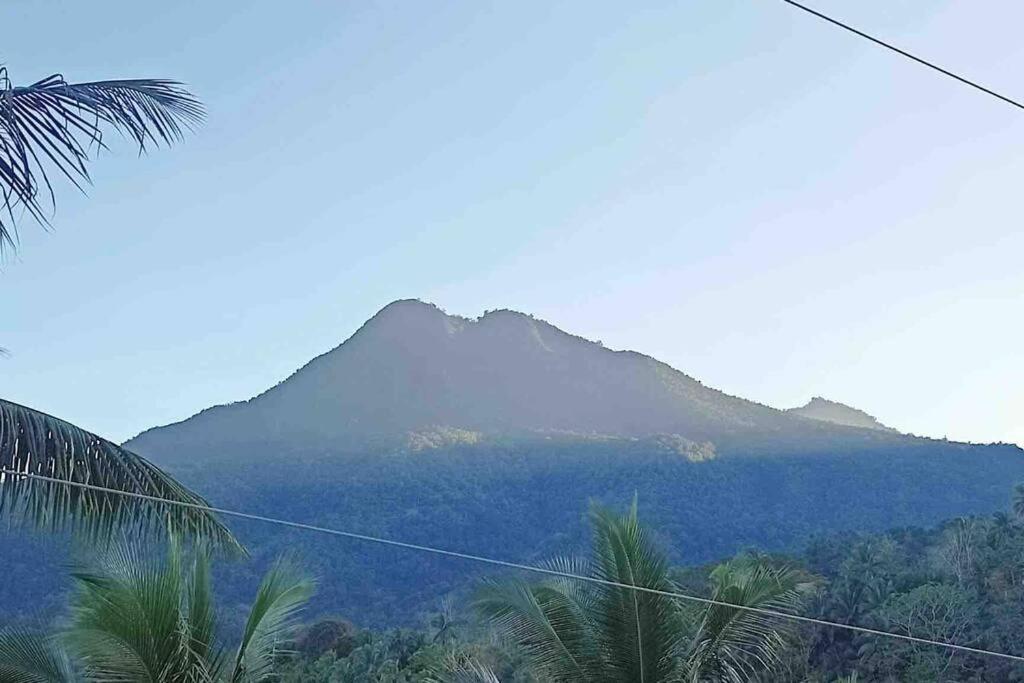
759, 199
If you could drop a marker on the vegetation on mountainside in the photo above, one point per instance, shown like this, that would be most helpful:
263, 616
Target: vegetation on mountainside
960, 582
523, 502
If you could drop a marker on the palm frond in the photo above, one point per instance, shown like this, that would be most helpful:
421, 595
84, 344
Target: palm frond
735, 644
546, 622
54, 125
461, 668
281, 595
1018, 501
638, 631
127, 622
32, 442
200, 616
31, 657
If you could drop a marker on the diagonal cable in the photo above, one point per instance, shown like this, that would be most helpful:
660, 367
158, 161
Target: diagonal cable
904, 53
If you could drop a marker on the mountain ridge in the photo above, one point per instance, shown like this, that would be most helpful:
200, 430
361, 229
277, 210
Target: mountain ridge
413, 367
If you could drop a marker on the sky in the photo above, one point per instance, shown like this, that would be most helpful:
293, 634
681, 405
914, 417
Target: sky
765, 202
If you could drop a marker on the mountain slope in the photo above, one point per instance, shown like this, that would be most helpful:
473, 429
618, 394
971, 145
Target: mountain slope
492, 436
413, 368
819, 408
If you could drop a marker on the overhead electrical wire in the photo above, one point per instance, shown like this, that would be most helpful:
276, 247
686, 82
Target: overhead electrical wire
516, 565
904, 53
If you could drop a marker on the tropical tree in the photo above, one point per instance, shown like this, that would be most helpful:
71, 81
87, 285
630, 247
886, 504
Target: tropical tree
50, 129
734, 644
1018, 501
132, 620
603, 630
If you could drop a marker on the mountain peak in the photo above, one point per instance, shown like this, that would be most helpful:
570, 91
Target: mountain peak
824, 410
413, 368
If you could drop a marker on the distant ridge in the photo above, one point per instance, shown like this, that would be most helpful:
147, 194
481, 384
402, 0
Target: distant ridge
819, 408
412, 370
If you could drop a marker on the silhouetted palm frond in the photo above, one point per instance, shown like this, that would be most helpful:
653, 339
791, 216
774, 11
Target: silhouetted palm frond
32, 442
53, 125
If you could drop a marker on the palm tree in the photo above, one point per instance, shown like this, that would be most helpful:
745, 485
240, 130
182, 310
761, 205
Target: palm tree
573, 631
1018, 501
135, 621
734, 644
50, 128
605, 632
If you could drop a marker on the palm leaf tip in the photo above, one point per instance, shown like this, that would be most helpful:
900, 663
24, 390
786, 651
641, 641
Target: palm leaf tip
54, 125
134, 494
282, 595
30, 657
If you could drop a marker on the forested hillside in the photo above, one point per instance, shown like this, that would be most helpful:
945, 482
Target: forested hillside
957, 582
523, 501
490, 436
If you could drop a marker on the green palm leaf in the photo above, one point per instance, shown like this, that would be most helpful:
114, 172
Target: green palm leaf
1018, 501
462, 668
30, 657
128, 622
32, 442
547, 623
638, 630
578, 631
281, 595
734, 644
53, 125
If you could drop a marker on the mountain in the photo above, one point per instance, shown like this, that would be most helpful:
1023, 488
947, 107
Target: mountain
491, 436
819, 408
413, 374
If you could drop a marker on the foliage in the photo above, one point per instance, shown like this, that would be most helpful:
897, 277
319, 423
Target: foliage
737, 645
134, 620
52, 125
34, 443
48, 126
604, 631
899, 581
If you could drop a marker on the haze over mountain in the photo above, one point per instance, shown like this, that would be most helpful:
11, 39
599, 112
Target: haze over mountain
819, 408
414, 371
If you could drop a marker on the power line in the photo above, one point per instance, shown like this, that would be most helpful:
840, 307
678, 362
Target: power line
515, 565
904, 53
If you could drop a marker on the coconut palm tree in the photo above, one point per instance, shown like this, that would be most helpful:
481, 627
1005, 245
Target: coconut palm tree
734, 645
1018, 501
132, 620
607, 633
50, 128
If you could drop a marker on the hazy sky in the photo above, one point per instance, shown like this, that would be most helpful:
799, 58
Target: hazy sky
763, 201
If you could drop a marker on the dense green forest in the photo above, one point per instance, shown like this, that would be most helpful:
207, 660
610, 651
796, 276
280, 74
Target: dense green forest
961, 581
526, 502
